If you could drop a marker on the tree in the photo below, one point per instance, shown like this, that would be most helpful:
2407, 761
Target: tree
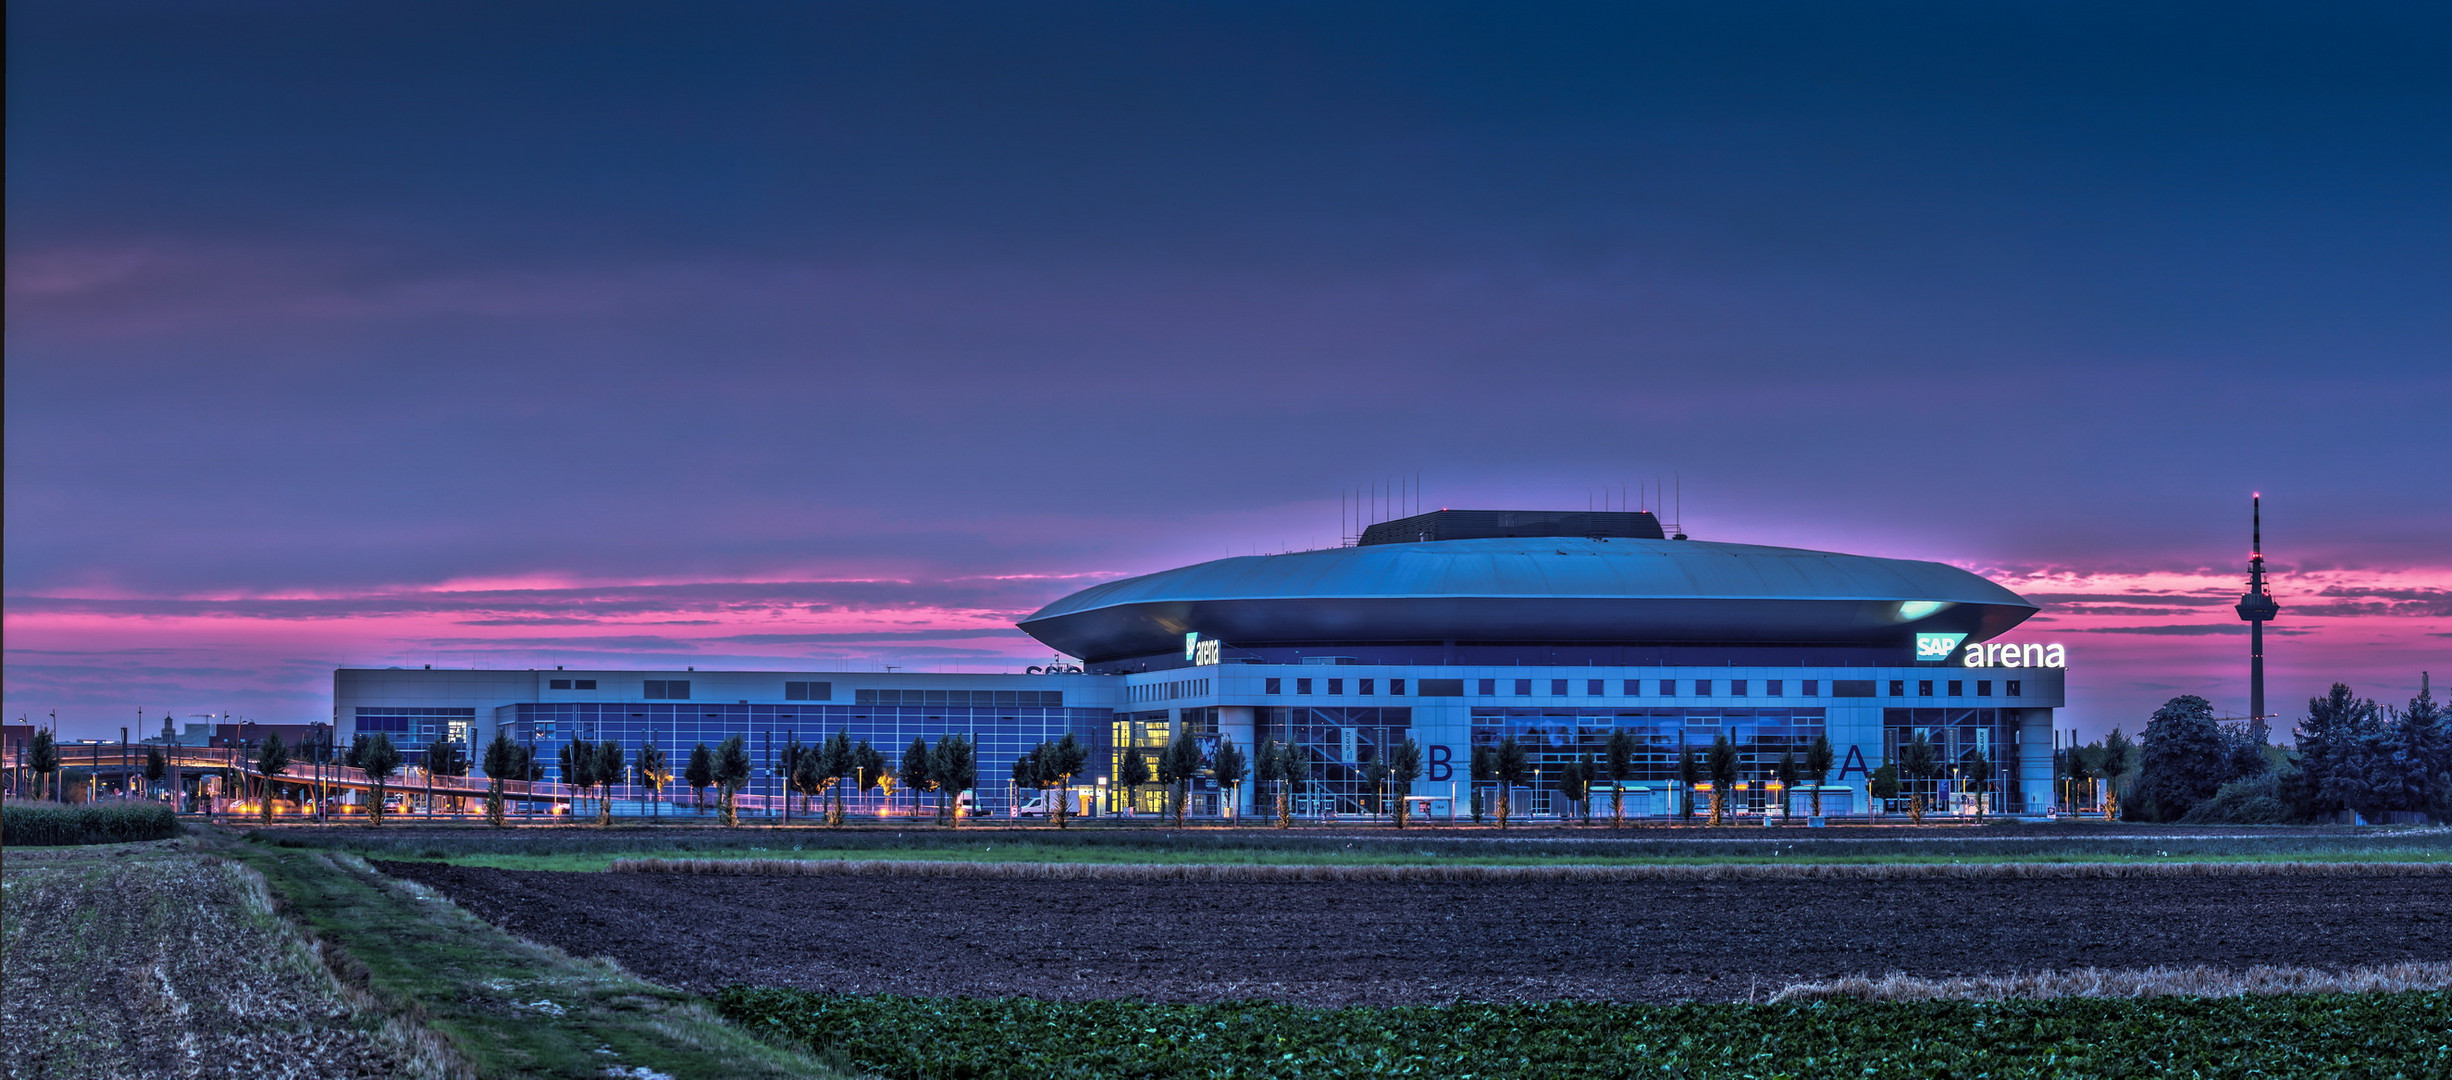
1722, 761
2073, 766
43, 758
1178, 765
1818, 762
868, 768
1786, 773
1883, 784
156, 766
2117, 753
609, 761
1689, 773
1482, 769
446, 757
1404, 767
1227, 767
1293, 774
1065, 759
794, 766
1918, 762
578, 770
654, 772
502, 758
916, 774
1575, 782
954, 766
1510, 765
836, 761
731, 772
1976, 772
699, 773
272, 761
2336, 742
1029, 772
1130, 775
2186, 758
380, 759
1618, 759
2425, 738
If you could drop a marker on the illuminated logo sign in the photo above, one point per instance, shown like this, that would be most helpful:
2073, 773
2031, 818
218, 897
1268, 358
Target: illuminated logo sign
1996, 654
1198, 651
1937, 646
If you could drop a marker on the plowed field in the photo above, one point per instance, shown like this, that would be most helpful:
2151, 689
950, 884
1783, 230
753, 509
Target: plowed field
1355, 942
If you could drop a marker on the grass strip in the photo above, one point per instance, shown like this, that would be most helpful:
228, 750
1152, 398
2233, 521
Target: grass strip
509, 1007
2370, 1036
1474, 872
51, 824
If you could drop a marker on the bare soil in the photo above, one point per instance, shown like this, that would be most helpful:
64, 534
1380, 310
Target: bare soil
1346, 942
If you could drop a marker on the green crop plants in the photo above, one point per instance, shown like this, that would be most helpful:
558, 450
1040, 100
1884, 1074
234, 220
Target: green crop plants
2304, 1035
46, 825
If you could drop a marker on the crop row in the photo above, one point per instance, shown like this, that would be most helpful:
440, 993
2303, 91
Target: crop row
43, 824
2307, 1035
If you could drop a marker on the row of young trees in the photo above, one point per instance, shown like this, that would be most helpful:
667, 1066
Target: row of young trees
1507, 764
2349, 754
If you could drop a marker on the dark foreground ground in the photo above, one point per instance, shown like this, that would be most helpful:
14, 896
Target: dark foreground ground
1387, 942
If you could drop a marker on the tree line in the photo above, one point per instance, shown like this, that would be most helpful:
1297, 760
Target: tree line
2348, 754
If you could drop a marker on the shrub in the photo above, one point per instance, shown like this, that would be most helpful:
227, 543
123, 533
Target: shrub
41, 825
2253, 801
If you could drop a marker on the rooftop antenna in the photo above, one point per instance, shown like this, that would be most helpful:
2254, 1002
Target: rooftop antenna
2257, 607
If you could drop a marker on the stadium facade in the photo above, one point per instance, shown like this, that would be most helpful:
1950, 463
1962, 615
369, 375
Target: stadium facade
1453, 628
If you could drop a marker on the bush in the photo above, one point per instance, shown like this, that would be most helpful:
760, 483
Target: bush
51, 825
2256, 800
2313, 1035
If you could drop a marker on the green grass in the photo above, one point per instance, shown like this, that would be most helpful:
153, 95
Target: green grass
2339, 1035
510, 1007
51, 824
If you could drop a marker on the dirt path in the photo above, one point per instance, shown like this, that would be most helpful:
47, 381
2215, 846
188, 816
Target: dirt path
150, 960
1387, 942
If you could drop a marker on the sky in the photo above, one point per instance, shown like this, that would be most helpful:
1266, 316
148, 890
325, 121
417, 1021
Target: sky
844, 335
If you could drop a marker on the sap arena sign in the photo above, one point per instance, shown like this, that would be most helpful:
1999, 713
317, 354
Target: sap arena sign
1198, 651
1996, 654
1934, 648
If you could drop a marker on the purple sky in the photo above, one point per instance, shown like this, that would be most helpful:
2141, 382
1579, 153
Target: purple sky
844, 335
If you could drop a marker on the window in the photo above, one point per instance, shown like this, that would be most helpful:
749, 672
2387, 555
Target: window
557, 684
1983, 688
1523, 687
1702, 688
1736, 687
1958, 688
808, 691
1851, 688
1898, 688
1558, 688
1924, 687
586, 684
1593, 687
1775, 687
1302, 686
1811, 687
1367, 686
1489, 686
1336, 686
1439, 687
668, 689
1668, 688
951, 699
2011, 688
1273, 686
1634, 688
1396, 688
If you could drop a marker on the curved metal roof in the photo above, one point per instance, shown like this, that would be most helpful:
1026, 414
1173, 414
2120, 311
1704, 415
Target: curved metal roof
1545, 589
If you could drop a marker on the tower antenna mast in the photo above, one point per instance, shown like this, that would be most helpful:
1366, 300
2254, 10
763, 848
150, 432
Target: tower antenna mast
2257, 607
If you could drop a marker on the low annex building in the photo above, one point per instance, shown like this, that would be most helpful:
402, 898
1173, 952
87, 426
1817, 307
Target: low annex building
1453, 628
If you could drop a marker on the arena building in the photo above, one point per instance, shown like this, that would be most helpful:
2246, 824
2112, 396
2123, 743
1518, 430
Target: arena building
1453, 628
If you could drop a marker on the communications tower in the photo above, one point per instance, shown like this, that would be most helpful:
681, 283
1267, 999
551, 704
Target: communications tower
2256, 608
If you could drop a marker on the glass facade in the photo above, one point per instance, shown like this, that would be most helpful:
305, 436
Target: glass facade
413, 727
1957, 735
1553, 737
1001, 733
1342, 742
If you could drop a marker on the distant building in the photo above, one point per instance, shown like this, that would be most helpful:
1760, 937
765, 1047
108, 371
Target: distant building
1456, 629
